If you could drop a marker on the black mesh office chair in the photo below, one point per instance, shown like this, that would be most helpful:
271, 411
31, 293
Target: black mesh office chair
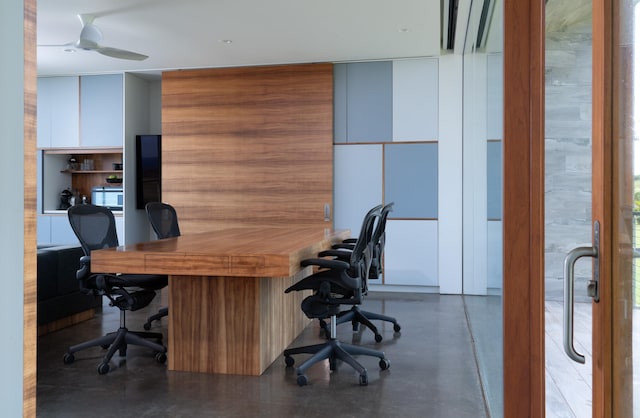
337, 283
96, 229
342, 252
164, 221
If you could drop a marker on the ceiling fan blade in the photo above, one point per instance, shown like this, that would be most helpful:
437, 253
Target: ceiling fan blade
120, 53
68, 44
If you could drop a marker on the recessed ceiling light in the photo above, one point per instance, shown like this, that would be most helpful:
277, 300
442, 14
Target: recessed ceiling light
404, 30
226, 41
69, 50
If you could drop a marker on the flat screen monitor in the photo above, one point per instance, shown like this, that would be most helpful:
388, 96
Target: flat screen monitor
148, 169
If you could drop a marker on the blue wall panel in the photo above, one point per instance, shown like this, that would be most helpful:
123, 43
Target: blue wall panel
370, 101
340, 103
411, 179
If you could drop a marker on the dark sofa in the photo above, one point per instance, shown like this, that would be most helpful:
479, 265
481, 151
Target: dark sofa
59, 293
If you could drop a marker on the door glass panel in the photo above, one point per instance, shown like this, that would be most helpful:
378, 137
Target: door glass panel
482, 193
626, 274
634, 285
568, 219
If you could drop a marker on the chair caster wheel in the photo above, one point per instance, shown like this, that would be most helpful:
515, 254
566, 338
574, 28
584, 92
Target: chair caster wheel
147, 326
378, 338
68, 358
333, 363
105, 346
103, 368
122, 352
289, 361
161, 357
302, 380
396, 327
364, 380
384, 364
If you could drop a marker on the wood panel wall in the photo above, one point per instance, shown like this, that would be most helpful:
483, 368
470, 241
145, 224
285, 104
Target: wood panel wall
30, 244
248, 146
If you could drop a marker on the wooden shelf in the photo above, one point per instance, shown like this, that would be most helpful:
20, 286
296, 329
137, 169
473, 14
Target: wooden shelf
83, 151
91, 171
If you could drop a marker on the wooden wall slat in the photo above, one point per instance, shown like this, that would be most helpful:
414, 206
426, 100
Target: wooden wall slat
30, 244
250, 145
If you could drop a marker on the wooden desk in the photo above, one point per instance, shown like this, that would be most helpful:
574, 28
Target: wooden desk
228, 312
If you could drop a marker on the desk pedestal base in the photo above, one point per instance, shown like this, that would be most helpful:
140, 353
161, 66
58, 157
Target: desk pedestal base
231, 325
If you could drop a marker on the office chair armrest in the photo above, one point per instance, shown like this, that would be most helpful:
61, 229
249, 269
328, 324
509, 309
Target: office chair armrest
350, 241
325, 263
344, 246
85, 267
339, 254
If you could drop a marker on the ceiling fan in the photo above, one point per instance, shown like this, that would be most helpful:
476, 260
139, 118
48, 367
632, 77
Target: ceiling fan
90, 38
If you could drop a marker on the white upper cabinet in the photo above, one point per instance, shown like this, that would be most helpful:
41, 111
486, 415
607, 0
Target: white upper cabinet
415, 99
101, 111
58, 112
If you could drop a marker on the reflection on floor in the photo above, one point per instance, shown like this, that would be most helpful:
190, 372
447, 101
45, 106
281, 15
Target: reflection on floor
484, 314
433, 373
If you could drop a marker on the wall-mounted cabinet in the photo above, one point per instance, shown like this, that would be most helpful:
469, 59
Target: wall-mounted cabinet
58, 112
101, 111
386, 130
85, 111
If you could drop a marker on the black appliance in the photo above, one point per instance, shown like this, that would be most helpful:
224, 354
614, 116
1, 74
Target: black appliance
148, 169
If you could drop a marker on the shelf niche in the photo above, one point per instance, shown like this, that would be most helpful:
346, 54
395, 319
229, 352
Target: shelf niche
58, 175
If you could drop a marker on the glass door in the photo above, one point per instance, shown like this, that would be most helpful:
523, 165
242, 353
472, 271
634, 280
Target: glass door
613, 284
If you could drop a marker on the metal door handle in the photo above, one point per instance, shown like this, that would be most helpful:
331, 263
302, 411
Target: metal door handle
569, 262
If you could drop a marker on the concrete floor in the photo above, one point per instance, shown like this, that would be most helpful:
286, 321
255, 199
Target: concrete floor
433, 373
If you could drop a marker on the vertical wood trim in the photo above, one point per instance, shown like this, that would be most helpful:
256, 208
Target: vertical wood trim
30, 258
602, 202
523, 297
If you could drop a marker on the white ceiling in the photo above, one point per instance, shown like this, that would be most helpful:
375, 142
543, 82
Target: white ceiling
188, 33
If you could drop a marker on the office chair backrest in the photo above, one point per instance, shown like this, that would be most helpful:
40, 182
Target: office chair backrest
362, 251
379, 233
95, 227
378, 241
163, 219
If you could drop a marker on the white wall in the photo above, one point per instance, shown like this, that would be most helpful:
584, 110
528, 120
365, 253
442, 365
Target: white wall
136, 110
450, 174
12, 220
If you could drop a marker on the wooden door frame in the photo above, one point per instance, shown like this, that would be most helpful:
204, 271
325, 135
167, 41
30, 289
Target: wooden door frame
523, 230
602, 172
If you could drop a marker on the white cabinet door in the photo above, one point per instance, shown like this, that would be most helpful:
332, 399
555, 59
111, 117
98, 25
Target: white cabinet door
58, 112
101, 116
